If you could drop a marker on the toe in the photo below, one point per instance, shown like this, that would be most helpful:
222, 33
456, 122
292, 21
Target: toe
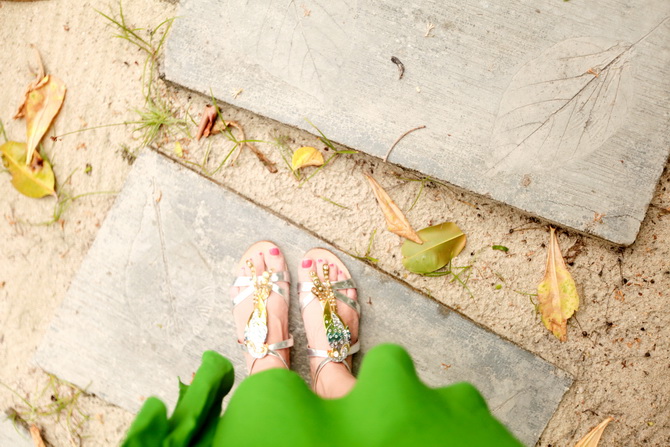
258, 261
274, 260
319, 267
333, 273
307, 265
241, 270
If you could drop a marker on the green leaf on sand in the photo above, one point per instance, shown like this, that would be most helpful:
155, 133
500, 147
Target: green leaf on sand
37, 181
500, 248
441, 243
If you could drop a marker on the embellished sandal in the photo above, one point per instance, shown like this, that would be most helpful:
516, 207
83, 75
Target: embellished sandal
256, 329
337, 332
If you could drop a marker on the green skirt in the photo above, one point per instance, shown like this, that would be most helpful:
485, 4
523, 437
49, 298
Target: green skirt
389, 406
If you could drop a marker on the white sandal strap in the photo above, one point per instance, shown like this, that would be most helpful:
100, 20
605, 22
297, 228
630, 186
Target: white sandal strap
246, 281
272, 350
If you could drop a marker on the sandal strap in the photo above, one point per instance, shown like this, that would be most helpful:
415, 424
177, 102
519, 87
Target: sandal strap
339, 285
320, 367
323, 353
247, 281
272, 350
274, 346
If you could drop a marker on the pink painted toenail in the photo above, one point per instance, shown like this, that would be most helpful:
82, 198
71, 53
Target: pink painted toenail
319, 260
306, 263
332, 266
274, 251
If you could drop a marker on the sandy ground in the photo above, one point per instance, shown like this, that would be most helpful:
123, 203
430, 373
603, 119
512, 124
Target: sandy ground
618, 343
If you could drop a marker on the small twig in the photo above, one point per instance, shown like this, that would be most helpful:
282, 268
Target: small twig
36, 435
429, 27
401, 67
386, 157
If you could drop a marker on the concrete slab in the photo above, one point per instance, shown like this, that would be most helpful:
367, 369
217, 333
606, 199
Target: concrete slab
13, 435
152, 294
557, 108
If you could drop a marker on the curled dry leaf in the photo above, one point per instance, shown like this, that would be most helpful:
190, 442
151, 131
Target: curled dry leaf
592, 438
35, 180
207, 121
557, 293
396, 221
306, 156
441, 243
43, 101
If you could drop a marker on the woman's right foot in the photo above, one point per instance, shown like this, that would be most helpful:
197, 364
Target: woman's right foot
334, 380
264, 256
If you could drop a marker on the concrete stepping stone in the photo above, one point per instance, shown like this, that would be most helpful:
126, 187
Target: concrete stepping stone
152, 295
557, 108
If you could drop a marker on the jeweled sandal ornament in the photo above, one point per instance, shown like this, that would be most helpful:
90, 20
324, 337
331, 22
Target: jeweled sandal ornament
256, 330
337, 332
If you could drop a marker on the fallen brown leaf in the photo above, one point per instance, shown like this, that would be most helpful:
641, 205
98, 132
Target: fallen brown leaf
41, 108
557, 293
396, 221
209, 116
592, 438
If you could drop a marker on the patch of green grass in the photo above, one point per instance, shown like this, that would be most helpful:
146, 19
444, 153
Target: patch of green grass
148, 44
462, 276
156, 116
62, 403
65, 199
334, 202
423, 181
366, 257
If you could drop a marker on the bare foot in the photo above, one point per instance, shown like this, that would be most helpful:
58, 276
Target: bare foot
334, 380
264, 256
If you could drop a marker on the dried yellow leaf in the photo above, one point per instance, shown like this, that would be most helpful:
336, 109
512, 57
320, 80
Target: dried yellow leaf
178, 150
592, 438
306, 156
35, 180
557, 293
42, 105
396, 221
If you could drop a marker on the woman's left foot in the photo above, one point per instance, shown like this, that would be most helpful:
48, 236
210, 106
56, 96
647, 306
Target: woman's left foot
332, 378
